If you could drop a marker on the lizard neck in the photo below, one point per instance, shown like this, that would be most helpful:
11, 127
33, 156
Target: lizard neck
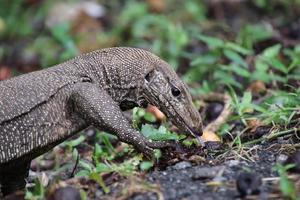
122, 82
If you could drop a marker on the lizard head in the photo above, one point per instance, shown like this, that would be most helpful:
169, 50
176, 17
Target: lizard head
164, 89
158, 84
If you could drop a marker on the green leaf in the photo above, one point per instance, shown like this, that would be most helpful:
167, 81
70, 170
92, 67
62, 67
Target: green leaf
146, 165
101, 167
157, 154
272, 51
237, 48
87, 166
82, 173
235, 57
286, 186
98, 150
75, 154
253, 33
132, 12
276, 77
226, 78
212, 42
98, 178
149, 117
277, 64
261, 71
240, 71
77, 141
247, 98
157, 134
106, 141
206, 59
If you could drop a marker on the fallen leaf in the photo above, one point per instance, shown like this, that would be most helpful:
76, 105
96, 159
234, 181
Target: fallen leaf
5, 73
157, 5
209, 136
257, 87
156, 112
253, 124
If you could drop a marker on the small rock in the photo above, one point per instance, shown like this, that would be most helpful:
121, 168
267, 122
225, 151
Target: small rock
42, 165
219, 179
91, 134
271, 158
233, 163
248, 184
65, 193
281, 158
206, 172
182, 165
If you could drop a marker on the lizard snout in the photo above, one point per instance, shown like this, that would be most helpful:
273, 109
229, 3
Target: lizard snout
197, 130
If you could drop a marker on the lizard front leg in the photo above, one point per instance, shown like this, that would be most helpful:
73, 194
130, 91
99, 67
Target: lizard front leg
94, 105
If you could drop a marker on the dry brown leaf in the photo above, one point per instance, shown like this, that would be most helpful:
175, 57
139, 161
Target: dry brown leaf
209, 136
156, 112
5, 73
257, 87
157, 5
253, 124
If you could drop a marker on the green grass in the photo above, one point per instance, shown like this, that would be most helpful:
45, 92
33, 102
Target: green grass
207, 63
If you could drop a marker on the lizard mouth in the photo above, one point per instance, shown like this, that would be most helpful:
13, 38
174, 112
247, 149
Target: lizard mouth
181, 122
196, 135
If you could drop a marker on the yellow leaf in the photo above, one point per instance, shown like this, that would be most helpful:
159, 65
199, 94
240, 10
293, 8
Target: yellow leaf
209, 136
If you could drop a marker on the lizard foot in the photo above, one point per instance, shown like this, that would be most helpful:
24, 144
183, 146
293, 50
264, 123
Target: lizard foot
146, 150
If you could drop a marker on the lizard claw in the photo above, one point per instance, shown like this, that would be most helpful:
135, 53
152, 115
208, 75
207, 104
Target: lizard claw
145, 149
148, 152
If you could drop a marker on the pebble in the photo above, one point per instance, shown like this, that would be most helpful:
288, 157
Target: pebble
281, 158
206, 172
182, 165
232, 163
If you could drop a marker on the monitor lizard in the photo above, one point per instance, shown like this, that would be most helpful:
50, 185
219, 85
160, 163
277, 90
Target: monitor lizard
41, 109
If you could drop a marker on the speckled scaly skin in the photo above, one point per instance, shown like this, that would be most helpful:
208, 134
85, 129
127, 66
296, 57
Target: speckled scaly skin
41, 109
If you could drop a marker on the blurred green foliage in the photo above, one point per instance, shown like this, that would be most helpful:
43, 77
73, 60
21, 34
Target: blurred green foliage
211, 53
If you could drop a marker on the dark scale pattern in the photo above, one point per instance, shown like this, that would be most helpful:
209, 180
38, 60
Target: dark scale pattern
41, 109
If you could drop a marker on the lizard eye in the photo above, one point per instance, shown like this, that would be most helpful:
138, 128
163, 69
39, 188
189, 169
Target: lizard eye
149, 75
175, 91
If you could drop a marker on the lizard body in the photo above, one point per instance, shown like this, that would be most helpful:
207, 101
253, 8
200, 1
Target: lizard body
41, 109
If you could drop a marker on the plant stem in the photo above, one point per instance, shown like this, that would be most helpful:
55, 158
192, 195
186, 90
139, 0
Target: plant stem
272, 136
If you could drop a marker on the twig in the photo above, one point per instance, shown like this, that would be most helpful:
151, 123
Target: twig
272, 136
75, 167
276, 179
226, 112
